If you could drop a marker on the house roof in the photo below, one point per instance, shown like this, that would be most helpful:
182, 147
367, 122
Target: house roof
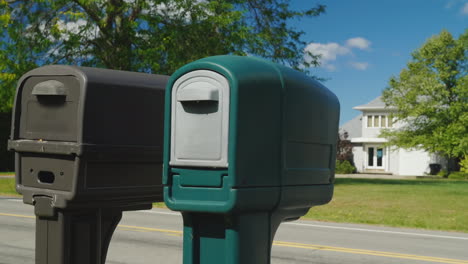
376, 104
353, 127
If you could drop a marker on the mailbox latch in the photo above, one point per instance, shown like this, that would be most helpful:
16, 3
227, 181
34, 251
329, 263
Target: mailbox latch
43, 207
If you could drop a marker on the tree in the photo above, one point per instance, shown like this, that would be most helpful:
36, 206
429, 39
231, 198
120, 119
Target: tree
430, 97
154, 36
344, 148
344, 155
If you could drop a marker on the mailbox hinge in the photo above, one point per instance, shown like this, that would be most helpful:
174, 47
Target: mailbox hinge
50, 147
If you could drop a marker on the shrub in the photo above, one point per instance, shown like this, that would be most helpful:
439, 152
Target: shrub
458, 175
344, 167
464, 164
443, 173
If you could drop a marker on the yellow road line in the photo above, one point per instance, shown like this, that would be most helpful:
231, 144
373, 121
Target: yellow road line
299, 245
17, 215
369, 252
152, 229
133, 230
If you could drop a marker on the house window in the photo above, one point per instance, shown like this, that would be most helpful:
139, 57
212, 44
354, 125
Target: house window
383, 121
379, 157
376, 121
379, 121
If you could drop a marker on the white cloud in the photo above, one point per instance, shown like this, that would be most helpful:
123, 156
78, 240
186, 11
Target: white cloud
450, 4
362, 66
330, 52
464, 9
454, 3
360, 43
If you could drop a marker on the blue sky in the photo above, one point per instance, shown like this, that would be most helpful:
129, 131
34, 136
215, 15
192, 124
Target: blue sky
365, 42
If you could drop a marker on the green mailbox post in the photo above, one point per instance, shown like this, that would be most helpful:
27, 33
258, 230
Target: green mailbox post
248, 144
88, 145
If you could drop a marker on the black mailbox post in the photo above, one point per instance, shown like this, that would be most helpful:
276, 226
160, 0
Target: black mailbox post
88, 146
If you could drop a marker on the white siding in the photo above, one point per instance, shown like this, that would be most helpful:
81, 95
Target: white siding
394, 160
358, 156
413, 162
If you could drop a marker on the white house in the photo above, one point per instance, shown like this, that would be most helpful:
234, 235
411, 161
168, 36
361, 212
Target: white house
369, 153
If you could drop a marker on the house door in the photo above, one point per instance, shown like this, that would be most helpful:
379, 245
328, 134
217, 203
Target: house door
375, 157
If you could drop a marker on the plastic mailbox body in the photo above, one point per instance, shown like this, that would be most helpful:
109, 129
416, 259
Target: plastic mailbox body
88, 145
243, 136
254, 135
84, 134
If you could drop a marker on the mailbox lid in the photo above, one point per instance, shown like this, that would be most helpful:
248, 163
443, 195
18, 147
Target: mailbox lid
49, 108
102, 100
200, 120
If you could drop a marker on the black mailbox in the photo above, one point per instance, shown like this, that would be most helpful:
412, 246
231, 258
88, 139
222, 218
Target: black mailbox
84, 134
86, 139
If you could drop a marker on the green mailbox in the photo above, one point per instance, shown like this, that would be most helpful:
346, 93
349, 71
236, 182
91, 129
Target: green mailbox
248, 144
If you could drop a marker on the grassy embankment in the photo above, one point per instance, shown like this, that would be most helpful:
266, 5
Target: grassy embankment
7, 186
430, 204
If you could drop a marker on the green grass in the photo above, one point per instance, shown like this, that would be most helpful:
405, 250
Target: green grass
7, 186
159, 205
429, 204
7, 173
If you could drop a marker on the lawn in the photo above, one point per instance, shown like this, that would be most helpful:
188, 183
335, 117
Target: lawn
430, 204
7, 173
7, 186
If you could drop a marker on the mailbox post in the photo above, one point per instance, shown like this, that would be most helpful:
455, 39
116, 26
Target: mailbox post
248, 144
88, 145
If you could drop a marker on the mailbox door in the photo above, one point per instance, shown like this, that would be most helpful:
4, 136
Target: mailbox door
49, 108
200, 120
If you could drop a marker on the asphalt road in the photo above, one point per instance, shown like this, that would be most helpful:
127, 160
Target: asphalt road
154, 236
